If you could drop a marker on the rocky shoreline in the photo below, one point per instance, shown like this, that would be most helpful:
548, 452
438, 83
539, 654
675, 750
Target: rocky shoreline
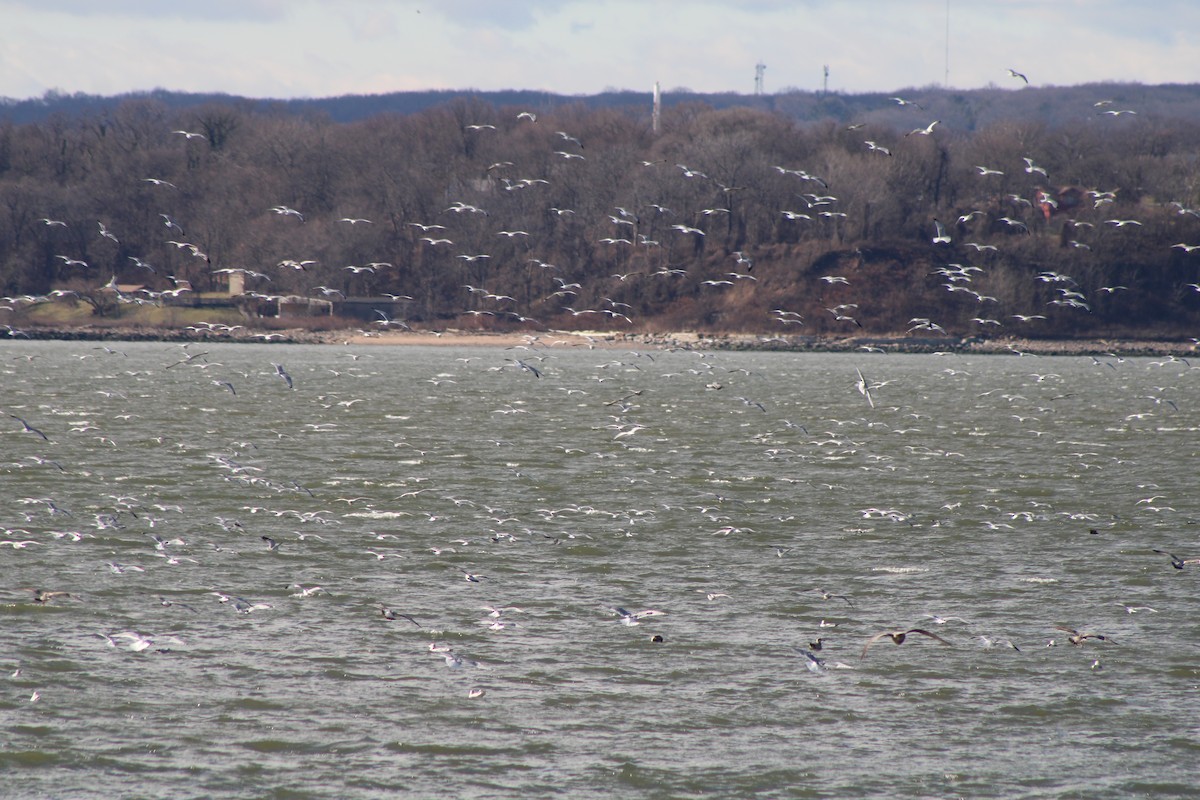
612, 339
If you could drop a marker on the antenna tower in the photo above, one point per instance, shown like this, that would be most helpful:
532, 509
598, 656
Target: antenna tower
825, 85
656, 114
759, 69
946, 80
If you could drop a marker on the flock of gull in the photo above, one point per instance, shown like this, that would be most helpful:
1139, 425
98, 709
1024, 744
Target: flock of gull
143, 539
637, 229
275, 516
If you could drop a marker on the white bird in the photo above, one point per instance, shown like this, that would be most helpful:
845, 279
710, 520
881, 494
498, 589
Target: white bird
1014, 74
926, 131
1031, 168
864, 388
940, 236
635, 618
285, 211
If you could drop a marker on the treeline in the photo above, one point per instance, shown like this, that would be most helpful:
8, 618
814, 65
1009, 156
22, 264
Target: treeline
966, 109
724, 219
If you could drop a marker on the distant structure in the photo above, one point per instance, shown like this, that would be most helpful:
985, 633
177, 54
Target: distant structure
825, 83
946, 79
759, 69
656, 114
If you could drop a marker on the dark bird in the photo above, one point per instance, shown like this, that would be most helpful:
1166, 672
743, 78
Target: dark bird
830, 595
43, 596
537, 373
898, 637
30, 429
1176, 561
389, 614
1079, 638
283, 373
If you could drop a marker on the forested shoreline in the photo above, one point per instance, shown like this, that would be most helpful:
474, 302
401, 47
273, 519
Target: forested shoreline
885, 217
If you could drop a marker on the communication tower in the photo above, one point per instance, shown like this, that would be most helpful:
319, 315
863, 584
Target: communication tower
656, 114
759, 69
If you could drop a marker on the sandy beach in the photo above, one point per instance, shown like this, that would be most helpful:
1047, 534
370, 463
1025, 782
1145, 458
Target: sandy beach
882, 343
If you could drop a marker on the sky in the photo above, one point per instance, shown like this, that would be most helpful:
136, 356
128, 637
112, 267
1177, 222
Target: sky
306, 48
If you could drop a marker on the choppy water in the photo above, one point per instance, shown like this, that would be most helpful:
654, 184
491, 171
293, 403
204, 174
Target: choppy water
615, 479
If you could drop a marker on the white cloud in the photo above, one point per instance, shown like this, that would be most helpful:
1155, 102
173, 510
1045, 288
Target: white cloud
310, 48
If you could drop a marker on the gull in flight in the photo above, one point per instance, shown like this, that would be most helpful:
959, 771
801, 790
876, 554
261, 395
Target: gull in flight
864, 389
42, 596
288, 212
898, 637
830, 596
283, 373
993, 641
1012, 73
940, 236
926, 131
816, 664
635, 618
391, 614
29, 428
1136, 609
1176, 561
1078, 638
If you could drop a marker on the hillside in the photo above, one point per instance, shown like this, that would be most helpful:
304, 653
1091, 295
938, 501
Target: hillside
1056, 212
